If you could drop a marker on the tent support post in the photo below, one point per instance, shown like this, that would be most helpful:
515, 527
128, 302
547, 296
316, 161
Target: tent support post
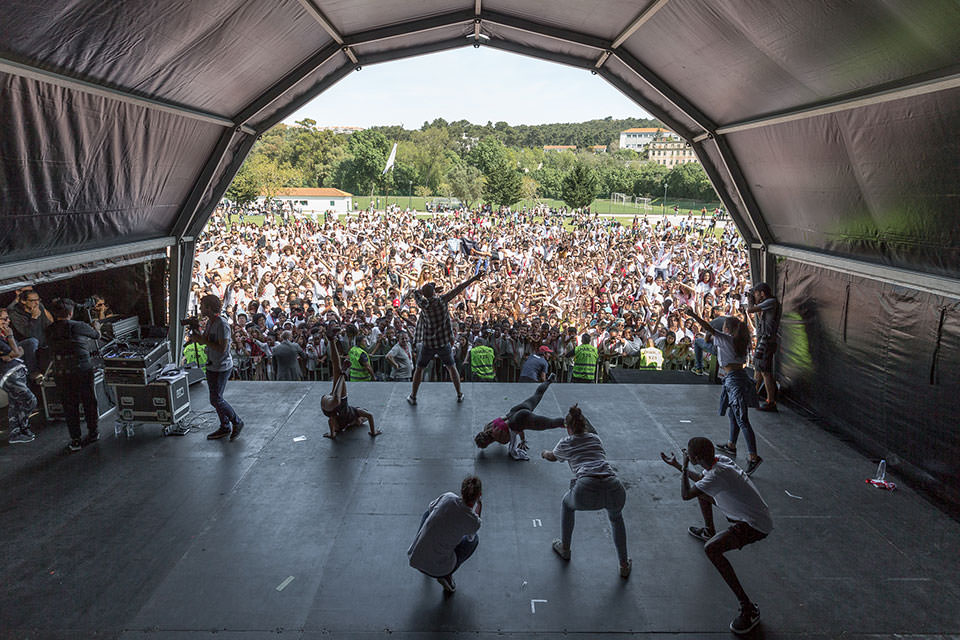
181, 266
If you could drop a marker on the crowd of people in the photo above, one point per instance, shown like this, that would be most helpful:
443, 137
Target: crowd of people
553, 277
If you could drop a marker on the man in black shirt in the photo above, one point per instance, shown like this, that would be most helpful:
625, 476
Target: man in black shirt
73, 371
30, 320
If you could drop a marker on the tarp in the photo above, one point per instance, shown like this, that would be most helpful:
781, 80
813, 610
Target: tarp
879, 362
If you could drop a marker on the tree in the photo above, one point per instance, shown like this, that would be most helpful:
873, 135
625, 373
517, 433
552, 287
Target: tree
466, 183
579, 186
690, 181
272, 177
650, 179
504, 184
369, 151
244, 189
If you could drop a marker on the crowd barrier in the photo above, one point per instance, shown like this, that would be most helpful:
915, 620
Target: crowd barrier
507, 369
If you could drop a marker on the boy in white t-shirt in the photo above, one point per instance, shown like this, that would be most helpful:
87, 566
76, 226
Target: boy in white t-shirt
727, 486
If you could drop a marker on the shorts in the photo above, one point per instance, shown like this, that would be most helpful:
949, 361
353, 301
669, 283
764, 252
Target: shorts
742, 534
425, 357
763, 355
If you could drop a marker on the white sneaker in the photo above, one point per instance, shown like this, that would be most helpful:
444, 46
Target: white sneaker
411, 400
519, 454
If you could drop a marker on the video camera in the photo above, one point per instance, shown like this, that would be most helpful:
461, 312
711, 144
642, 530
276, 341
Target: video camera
192, 323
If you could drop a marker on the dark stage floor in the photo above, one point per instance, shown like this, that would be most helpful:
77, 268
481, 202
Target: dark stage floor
285, 534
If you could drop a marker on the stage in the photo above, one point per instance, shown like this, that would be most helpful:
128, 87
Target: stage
286, 534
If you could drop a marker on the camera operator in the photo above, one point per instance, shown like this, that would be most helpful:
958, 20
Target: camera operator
73, 371
216, 337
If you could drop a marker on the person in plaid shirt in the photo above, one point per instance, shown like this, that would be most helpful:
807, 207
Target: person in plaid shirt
434, 333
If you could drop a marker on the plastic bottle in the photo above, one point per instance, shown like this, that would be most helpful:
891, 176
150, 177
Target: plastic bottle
882, 472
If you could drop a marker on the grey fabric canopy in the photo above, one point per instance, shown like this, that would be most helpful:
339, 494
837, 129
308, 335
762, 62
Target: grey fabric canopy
827, 127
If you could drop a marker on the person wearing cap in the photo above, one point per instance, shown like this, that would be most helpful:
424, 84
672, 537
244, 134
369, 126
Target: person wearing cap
535, 367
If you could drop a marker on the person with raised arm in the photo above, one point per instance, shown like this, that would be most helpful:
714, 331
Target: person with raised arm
738, 393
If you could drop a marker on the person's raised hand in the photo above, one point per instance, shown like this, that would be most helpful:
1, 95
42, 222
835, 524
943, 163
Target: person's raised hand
670, 460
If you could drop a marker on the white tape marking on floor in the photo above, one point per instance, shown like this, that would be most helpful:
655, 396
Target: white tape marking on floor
792, 496
283, 585
686, 421
533, 605
300, 438
537, 523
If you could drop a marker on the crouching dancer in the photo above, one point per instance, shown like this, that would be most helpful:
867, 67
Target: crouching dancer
448, 533
726, 485
595, 486
334, 405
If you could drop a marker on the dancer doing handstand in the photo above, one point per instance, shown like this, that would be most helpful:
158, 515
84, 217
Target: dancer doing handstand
509, 430
340, 415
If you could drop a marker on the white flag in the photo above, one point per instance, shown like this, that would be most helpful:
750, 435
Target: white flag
393, 156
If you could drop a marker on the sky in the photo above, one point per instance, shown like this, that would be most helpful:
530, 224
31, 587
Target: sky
477, 85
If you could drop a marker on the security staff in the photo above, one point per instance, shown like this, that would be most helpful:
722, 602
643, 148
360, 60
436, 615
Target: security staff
481, 361
360, 369
585, 359
73, 371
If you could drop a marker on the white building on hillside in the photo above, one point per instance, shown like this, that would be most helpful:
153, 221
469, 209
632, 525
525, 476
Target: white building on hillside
639, 137
314, 200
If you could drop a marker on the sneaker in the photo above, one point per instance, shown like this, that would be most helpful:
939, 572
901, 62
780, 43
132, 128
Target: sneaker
28, 432
625, 569
723, 448
753, 464
768, 406
449, 586
222, 432
20, 436
558, 547
90, 438
459, 397
519, 454
698, 371
552, 377
74, 446
746, 620
237, 428
701, 533
412, 400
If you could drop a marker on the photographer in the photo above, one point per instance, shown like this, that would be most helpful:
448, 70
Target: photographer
216, 337
73, 371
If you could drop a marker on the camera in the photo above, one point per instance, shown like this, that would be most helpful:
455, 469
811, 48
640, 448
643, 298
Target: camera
192, 323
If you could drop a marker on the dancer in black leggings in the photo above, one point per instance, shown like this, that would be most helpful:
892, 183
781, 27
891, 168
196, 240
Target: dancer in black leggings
509, 430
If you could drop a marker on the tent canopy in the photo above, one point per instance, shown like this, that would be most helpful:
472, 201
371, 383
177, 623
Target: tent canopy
824, 125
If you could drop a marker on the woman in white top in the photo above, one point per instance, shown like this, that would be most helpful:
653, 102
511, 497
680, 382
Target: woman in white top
738, 392
595, 486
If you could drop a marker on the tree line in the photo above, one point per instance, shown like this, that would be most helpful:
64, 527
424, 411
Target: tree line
494, 163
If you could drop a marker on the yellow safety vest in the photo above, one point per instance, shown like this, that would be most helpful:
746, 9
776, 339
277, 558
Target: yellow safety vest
585, 362
196, 353
481, 362
358, 373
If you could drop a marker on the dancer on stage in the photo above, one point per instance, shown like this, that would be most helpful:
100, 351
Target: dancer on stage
724, 484
434, 333
509, 429
738, 391
334, 405
594, 487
